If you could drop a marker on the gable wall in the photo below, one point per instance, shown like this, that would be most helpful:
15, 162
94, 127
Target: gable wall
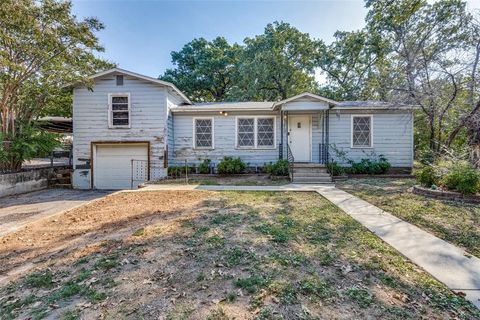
90, 121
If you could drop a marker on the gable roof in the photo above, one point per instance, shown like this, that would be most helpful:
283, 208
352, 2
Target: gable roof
307, 95
146, 78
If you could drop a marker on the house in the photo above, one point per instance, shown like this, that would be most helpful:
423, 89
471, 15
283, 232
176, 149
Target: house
129, 128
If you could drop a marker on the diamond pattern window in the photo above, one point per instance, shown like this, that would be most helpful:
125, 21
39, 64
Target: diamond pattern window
362, 131
120, 111
265, 134
203, 133
246, 132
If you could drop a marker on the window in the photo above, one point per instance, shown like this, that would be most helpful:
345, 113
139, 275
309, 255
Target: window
265, 132
255, 132
361, 131
119, 110
203, 128
246, 132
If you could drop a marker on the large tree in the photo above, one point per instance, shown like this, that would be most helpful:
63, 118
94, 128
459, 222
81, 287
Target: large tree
277, 64
205, 70
43, 47
425, 44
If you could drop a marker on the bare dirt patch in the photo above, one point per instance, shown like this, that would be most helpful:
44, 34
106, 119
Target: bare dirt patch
230, 255
108, 218
239, 180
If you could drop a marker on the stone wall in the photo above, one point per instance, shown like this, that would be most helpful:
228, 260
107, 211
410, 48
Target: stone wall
445, 195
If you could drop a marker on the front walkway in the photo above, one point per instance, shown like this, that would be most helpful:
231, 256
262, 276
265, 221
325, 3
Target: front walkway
444, 261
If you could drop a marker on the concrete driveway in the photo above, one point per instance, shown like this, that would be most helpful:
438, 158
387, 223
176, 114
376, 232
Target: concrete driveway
17, 211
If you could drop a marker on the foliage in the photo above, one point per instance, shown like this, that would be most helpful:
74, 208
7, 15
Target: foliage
178, 171
204, 167
426, 176
372, 165
230, 165
279, 168
335, 169
43, 48
277, 64
462, 178
25, 144
205, 70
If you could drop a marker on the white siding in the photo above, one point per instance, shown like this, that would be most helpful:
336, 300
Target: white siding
392, 135
224, 135
90, 121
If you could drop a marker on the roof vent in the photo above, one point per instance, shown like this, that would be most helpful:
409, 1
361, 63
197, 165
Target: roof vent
119, 80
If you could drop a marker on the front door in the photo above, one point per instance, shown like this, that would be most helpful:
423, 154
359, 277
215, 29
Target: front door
299, 137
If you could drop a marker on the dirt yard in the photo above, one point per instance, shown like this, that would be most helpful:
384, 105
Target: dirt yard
240, 180
208, 255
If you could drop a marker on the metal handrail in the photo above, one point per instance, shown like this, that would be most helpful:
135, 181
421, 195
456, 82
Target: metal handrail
323, 153
291, 160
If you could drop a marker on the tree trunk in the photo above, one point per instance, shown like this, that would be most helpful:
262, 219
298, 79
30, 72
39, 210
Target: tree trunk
475, 155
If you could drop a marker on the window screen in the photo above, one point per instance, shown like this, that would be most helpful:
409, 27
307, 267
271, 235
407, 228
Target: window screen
203, 133
361, 131
246, 132
265, 127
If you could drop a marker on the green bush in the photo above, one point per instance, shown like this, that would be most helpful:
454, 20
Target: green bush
230, 165
378, 165
462, 178
335, 169
279, 168
426, 176
204, 167
178, 171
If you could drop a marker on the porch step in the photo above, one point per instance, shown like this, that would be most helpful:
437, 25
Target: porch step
311, 173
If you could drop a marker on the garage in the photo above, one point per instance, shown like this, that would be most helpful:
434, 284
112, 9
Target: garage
112, 164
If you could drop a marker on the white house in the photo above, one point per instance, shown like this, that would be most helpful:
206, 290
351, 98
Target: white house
129, 128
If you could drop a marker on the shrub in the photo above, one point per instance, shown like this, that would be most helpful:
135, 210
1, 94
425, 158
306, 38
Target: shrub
335, 169
462, 178
378, 165
230, 165
204, 167
426, 176
279, 168
178, 171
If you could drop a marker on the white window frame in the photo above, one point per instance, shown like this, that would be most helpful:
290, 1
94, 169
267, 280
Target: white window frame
371, 131
255, 132
195, 133
110, 111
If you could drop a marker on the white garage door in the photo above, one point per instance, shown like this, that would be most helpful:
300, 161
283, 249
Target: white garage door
113, 164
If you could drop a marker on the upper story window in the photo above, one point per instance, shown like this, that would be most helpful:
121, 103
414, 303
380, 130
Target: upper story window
203, 135
255, 132
119, 105
362, 131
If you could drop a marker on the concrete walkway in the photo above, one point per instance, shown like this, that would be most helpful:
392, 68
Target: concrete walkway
20, 210
444, 261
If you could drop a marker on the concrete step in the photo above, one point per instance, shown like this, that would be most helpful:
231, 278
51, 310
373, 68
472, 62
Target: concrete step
312, 179
64, 171
308, 165
311, 171
309, 174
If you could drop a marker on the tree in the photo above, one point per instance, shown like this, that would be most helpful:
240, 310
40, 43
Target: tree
277, 64
352, 64
423, 42
205, 70
42, 48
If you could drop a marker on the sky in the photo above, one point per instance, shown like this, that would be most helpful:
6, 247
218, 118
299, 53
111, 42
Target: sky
139, 35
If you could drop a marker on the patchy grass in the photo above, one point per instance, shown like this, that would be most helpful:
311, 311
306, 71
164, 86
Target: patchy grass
242, 255
455, 222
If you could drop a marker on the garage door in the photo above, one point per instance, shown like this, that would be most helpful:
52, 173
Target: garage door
113, 164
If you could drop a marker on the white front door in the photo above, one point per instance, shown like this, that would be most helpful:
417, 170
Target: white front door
299, 137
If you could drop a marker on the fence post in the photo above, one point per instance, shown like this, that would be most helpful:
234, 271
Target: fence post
131, 180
